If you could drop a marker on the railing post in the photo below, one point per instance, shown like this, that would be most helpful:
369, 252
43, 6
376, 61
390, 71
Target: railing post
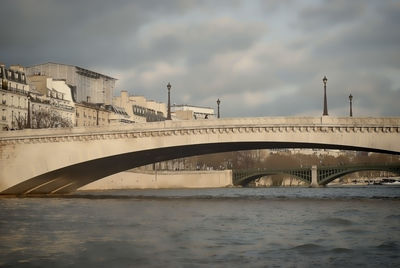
314, 176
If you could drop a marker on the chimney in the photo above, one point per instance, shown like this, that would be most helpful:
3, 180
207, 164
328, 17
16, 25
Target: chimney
17, 68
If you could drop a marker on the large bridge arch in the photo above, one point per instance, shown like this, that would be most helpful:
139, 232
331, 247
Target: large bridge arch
60, 161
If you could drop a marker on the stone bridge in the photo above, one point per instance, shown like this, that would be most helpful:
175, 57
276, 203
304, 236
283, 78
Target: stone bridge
57, 161
313, 176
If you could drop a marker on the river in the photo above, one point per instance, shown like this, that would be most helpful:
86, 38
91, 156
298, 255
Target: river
230, 227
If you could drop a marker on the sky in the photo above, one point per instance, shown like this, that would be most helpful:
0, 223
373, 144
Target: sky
260, 58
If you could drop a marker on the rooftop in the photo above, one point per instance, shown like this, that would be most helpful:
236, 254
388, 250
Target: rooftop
80, 70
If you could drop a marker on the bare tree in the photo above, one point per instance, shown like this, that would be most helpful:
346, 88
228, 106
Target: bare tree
20, 121
49, 119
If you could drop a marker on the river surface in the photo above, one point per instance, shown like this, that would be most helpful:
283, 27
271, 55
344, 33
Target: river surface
230, 227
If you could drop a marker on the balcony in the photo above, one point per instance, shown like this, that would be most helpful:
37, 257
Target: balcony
16, 90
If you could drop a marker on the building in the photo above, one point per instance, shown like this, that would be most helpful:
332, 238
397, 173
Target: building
190, 112
140, 109
91, 114
14, 92
55, 97
118, 115
86, 85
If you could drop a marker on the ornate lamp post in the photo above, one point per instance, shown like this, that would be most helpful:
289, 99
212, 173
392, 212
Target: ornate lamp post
29, 123
218, 102
325, 101
351, 105
169, 102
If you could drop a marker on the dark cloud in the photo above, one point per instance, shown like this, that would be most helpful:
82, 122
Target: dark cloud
327, 14
259, 57
79, 32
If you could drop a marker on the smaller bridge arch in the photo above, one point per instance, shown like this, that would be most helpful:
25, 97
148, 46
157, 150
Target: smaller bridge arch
323, 175
329, 174
244, 177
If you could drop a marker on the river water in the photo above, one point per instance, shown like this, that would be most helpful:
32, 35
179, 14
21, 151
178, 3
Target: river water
230, 227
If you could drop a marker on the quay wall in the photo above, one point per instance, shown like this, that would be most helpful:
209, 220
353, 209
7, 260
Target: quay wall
163, 180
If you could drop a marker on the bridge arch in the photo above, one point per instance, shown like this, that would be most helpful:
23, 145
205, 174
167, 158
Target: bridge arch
61, 161
70, 178
324, 180
245, 179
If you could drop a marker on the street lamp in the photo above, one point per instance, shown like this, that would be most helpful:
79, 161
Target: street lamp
29, 123
169, 102
218, 102
325, 101
351, 105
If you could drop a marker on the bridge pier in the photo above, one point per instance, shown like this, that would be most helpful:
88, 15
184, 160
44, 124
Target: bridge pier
314, 177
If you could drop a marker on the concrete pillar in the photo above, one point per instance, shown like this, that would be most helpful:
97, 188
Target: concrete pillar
314, 177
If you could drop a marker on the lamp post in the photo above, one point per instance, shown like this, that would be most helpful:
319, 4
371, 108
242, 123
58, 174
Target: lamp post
351, 105
218, 102
169, 102
325, 101
29, 123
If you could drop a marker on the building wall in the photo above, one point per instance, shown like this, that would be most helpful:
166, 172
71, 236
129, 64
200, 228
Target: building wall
158, 180
181, 112
58, 93
99, 88
139, 109
87, 115
14, 97
13, 108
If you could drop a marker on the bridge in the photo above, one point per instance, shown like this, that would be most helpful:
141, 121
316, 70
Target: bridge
58, 161
312, 176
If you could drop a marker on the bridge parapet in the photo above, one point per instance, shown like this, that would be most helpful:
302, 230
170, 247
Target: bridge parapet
222, 126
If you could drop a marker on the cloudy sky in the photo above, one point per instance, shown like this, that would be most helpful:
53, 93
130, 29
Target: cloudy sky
261, 58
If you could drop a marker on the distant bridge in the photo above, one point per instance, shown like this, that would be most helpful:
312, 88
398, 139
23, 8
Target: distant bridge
312, 176
63, 160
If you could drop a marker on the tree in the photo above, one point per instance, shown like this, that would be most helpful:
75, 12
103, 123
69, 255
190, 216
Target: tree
20, 121
44, 118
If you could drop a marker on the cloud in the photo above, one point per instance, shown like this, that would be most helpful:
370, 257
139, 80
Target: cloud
328, 14
259, 57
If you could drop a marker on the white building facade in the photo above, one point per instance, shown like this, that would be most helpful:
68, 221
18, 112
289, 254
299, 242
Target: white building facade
14, 92
56, 96
140, 109
190, 112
